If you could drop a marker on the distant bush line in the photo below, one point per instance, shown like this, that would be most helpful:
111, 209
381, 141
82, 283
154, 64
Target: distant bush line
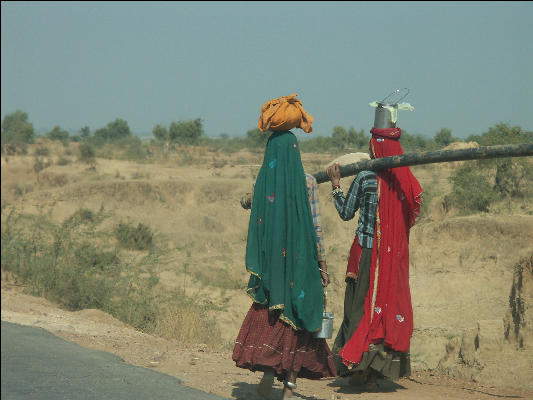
17, 131
494, 179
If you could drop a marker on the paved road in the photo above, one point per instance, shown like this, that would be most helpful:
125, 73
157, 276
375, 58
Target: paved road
38, 365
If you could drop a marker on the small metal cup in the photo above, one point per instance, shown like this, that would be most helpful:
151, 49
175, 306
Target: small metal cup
326, 331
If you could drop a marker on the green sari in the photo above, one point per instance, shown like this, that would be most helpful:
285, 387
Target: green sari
281, 252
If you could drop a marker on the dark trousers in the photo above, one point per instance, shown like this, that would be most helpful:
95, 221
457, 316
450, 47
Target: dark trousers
354, 307
385, 361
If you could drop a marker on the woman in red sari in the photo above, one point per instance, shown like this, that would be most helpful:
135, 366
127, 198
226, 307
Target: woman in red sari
379, 344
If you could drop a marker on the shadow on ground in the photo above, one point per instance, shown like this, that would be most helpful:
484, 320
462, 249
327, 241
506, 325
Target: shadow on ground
383, 386
246, 391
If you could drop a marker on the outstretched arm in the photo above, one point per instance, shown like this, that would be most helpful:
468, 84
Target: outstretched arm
346, 206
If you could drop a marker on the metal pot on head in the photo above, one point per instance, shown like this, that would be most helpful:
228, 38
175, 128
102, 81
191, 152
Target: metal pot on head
383, 118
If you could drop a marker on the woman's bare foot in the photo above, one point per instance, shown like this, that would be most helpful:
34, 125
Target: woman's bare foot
289, 385
264, 388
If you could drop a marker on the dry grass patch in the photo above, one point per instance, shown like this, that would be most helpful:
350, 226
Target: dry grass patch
187, 323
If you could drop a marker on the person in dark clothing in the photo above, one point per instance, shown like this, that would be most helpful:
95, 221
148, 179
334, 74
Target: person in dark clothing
374, 337
361, 196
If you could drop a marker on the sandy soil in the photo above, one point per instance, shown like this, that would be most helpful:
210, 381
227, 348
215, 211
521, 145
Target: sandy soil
462, 272
214, 372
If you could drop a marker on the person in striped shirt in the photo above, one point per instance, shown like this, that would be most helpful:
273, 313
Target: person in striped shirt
361, 196
312, 193
374, 338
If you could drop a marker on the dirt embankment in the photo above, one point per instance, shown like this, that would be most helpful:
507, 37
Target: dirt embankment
213, 371
471, 277
472, 294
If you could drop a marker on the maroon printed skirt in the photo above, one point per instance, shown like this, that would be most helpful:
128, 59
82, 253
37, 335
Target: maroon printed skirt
267, 343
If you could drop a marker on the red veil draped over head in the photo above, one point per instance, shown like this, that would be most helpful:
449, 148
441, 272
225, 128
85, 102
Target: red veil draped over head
388, 313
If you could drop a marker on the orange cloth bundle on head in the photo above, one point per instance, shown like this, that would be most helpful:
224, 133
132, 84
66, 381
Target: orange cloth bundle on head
283, 114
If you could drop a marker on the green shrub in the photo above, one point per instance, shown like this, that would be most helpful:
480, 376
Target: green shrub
63, 161
428, 195
132, 148
134, 238
39, 164
67, 264
135, 303
186, 132
94, 259
14, 148
78, 287
471, 191
16, 133
41, 151
46, 258
512, 177
80, 217
113, 131
20, 189
58, 134
481, 183
87, 153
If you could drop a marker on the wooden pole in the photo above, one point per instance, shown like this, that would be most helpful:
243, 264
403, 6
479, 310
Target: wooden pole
429, 157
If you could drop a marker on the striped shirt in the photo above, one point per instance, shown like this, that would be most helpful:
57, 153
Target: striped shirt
312, 193
363, 196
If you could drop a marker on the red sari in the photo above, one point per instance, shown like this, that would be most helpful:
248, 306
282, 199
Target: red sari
388, 313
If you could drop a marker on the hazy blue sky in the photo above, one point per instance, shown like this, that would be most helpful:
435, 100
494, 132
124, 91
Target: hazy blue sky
468, 65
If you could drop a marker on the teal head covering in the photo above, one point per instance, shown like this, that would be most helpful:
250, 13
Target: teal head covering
281, 252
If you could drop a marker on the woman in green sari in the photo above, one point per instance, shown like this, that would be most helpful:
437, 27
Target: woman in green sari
286, 283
